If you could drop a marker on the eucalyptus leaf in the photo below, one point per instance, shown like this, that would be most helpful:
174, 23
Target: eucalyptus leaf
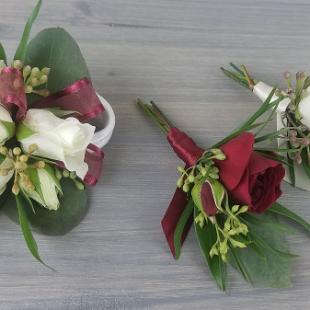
22, 47
206, 238
56, 49
73, 208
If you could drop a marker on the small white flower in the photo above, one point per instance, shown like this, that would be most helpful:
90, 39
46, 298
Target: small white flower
65, 140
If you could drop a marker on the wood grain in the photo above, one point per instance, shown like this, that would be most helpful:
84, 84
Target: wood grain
169, 51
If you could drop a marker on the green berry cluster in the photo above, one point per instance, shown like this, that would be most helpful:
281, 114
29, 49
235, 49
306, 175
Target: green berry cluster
227, 235
204, 168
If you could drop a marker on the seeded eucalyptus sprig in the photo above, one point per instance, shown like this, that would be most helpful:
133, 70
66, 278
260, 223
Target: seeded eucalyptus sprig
295, 135
229, 234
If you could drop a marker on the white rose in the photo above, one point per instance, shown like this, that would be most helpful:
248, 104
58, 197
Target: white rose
262, 91
6, 125
65, 140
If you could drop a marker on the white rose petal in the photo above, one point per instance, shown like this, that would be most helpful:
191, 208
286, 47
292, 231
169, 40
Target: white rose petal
65, 140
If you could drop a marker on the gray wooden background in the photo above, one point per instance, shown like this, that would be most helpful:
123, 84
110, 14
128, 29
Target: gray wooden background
169, 51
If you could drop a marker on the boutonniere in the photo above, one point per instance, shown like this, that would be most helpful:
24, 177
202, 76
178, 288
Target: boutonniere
49, 151
229, 191
293, 119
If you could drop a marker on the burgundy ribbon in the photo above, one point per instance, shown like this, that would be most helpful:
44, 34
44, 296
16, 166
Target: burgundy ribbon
93, 157
12, 92
80, 97
188, 151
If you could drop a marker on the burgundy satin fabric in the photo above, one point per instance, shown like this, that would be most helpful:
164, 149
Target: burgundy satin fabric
94, 158
80, 96
12, 92
184, 146
189, 152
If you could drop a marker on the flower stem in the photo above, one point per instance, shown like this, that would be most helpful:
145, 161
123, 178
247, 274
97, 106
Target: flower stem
155, 114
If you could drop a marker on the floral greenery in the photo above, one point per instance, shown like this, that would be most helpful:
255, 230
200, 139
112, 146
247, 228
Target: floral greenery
56, 50
295, 135
256, 246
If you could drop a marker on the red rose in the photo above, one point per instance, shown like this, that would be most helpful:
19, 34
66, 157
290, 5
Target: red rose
249, 178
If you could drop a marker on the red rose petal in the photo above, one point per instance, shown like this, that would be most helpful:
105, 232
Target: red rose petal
238, 152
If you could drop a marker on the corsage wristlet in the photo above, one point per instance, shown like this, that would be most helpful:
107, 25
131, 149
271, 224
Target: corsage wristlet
48, 150
230, 191
293, 120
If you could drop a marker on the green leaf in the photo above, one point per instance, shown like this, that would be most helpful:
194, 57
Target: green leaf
266, 259
23, 132
239, 264
10, 128
206, 238
56, 49
22, 47
2, 53
274, 156
270, 136
73, 208
277, 208
177, 238
23, 221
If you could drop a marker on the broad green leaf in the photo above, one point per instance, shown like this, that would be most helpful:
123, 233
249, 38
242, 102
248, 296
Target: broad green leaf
177, 238
2, 53
267, 259
206, 238
22, 47
56, 49
23, 221
277, 208
240, 266
73, 208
